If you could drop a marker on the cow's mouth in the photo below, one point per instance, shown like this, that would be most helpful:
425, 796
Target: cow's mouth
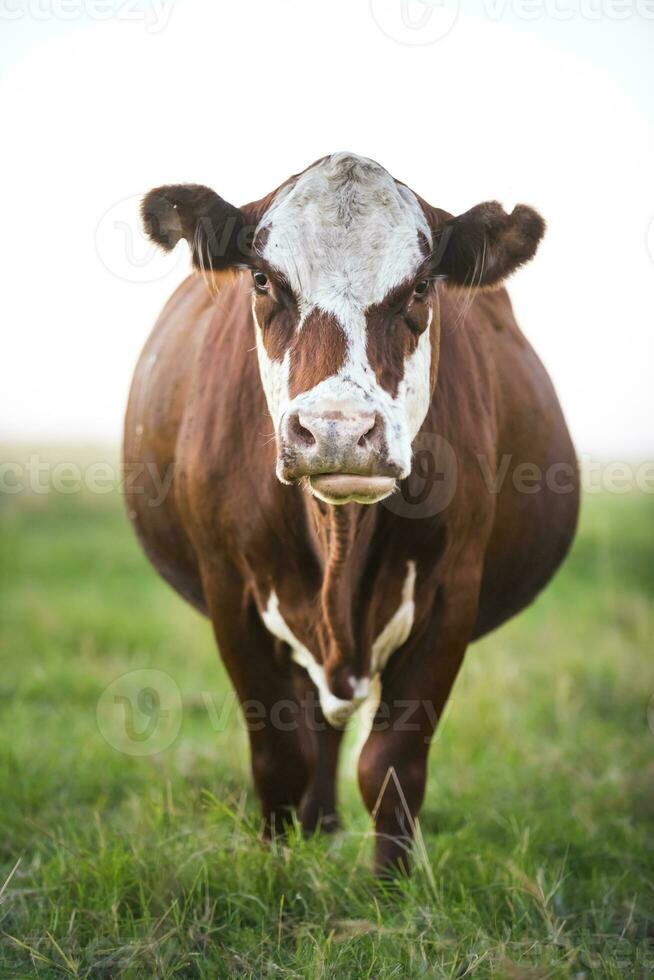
348, 488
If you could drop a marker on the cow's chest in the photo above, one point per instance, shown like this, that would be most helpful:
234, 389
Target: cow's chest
392, 621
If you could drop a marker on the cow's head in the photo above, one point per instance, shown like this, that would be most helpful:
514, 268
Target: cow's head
345, 264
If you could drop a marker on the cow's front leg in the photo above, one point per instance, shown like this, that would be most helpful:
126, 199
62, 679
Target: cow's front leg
393, 762
273, 715
321, 744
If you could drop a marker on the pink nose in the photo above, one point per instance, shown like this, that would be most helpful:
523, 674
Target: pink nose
327, 430
333, 441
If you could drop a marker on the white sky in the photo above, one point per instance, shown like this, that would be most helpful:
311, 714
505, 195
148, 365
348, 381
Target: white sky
517, 102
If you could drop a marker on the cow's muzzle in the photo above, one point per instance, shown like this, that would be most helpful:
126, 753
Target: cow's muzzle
341, 452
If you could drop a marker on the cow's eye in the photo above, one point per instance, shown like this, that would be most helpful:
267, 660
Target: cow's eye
421, 287
260, 281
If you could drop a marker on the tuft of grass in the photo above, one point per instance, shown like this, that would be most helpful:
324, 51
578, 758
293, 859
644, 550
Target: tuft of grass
537, 830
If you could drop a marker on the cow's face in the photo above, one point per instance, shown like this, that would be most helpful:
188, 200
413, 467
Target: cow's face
344, 263
346, 334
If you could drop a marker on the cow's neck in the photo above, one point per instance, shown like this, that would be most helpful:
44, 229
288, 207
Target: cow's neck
341, 536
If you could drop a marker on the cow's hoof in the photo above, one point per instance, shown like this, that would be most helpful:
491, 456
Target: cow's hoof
315, 821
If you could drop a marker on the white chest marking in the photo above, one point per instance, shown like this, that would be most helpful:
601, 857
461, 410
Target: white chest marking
395, 633
336, 710
398, 628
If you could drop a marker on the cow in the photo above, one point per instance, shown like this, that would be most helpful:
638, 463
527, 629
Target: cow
342, 401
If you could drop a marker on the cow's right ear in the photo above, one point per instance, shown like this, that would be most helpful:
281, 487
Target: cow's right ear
217, 232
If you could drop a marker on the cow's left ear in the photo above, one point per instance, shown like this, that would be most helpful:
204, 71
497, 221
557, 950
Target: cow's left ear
485, 245
218, 233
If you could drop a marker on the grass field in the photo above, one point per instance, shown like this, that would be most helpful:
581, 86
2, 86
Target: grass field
538, 826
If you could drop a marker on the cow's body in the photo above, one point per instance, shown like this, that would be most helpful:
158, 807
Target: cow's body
399, 587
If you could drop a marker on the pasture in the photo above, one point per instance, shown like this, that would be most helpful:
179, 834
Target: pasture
536, 849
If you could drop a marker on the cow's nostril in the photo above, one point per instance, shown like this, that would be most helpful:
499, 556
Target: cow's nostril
372, 437
299, 434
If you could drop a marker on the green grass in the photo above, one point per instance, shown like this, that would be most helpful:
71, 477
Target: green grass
538, 826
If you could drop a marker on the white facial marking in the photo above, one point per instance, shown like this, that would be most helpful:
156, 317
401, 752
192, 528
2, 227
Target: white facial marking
345, 234
274, 374
337, 711
414, 392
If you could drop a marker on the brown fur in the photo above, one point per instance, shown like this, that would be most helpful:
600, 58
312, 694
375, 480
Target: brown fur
318, 352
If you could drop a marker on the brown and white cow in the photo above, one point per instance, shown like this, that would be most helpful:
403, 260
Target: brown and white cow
337, 409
